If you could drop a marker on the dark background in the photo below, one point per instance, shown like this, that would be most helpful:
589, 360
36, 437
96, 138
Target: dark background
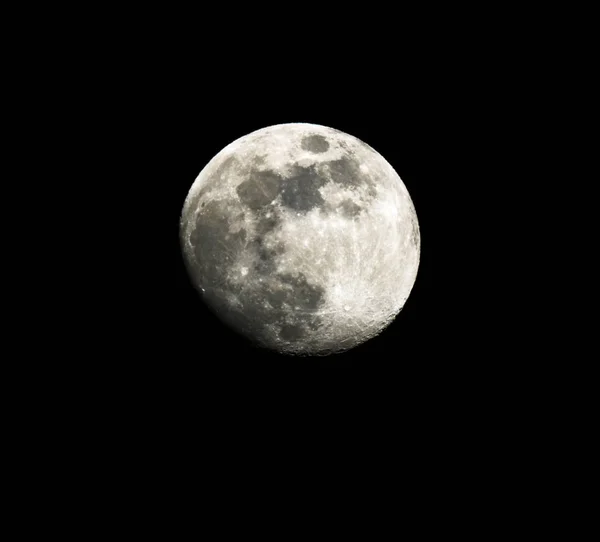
165, 363
438, 111
143, 399
158, 387
423, 127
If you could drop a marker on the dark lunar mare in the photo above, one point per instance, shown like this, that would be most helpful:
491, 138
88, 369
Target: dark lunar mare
220, 176
289, 302
300, 189
214, 246
265, 255
260, 189
350, 209
415, 234
346, 172
315, 143
283, 293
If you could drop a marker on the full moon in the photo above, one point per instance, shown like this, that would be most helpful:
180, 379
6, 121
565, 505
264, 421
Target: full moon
302, 238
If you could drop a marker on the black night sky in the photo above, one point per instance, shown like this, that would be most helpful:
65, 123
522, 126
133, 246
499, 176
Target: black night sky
183, 399
413, 129
428, 119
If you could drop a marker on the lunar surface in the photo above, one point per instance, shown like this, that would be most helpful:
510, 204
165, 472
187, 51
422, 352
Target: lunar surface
302, 238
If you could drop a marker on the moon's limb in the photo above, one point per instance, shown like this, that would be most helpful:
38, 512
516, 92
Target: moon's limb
301, 237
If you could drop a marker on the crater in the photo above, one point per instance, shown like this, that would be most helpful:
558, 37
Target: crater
315, 143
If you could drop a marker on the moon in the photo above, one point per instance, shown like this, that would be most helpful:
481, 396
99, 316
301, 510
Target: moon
302, 238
